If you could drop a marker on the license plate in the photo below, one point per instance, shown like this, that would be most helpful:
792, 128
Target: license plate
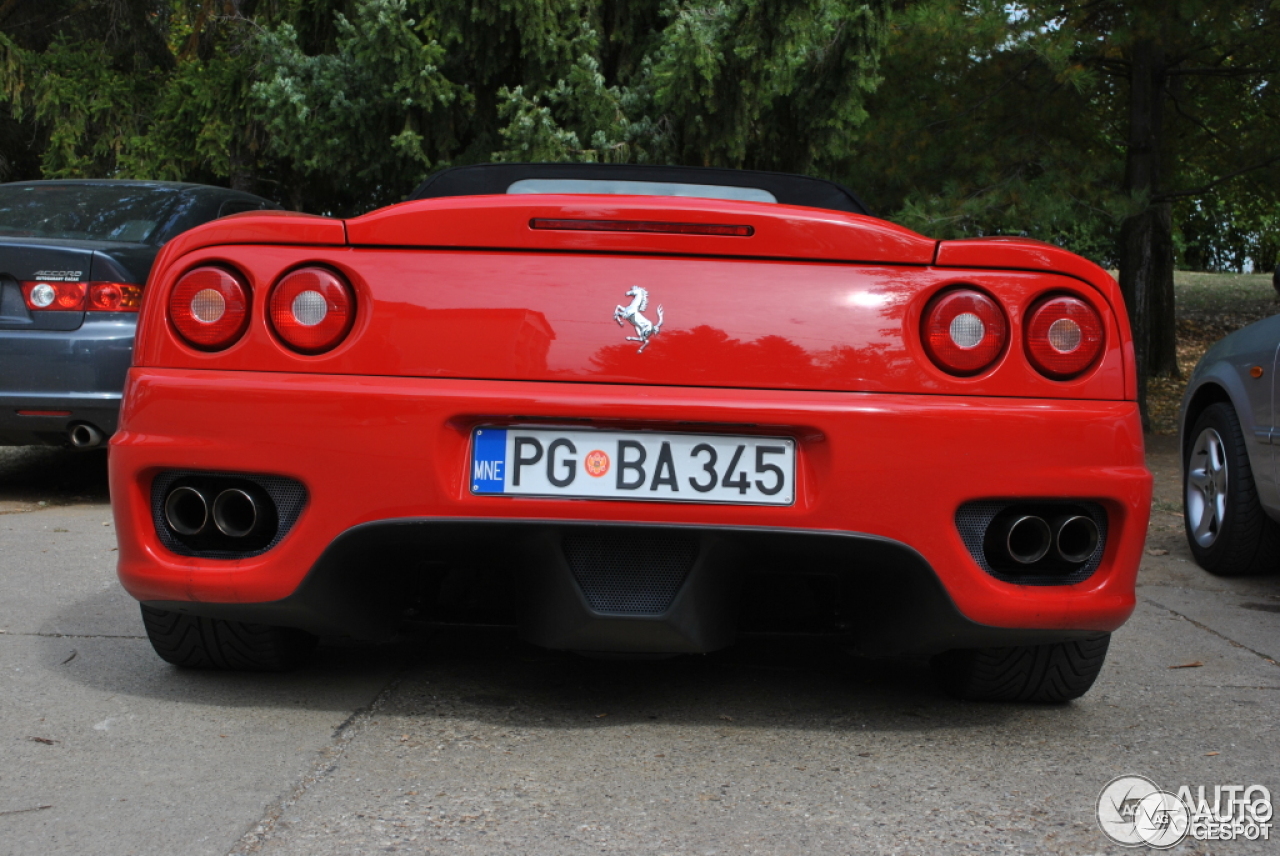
637, 465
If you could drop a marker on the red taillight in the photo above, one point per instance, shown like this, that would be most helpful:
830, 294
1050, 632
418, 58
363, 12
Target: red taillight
70, 296
312, 309
1064, 336
54, 296
964, 331
649, 226
114, 297
210, 308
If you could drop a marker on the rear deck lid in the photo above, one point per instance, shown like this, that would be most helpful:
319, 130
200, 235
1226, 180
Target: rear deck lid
641, 224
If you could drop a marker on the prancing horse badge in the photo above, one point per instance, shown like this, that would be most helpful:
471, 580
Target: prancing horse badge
645, 329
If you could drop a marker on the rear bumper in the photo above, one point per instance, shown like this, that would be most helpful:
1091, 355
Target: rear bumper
51, 380
384, 462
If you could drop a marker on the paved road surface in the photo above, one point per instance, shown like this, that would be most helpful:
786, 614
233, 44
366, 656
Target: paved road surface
471, 742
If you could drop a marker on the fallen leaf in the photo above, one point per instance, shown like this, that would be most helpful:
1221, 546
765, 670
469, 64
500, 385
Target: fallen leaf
1197, 664
69, 659
1207, 754
33, 808
1157, 552
45, 740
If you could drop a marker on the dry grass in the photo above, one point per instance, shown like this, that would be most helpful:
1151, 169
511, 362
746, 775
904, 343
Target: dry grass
1209, 306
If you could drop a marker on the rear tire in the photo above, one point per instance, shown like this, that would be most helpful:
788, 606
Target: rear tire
192, 642
1053, 673
1229, 533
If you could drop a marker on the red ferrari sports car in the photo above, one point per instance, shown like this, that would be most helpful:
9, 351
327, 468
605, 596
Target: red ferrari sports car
636, 411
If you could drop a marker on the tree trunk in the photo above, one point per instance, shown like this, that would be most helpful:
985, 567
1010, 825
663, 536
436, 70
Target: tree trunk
1146, 280
1146, 237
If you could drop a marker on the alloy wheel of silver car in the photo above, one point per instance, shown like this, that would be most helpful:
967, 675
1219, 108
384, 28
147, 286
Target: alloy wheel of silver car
1206, 501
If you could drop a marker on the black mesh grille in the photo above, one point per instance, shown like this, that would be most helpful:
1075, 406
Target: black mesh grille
288, 496
624, 572
973, 519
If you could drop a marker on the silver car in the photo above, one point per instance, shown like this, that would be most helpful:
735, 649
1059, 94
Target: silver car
1229, 427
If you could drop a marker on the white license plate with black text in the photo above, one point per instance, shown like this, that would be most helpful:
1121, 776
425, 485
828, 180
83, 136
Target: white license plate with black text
639, 465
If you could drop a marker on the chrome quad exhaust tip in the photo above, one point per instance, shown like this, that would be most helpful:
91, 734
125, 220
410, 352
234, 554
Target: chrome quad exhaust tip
1028, 539
235, 513
1036, 542
186, 510
225, 514
1075, 538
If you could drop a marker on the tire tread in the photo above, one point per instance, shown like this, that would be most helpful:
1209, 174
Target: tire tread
1053, 673
193, 642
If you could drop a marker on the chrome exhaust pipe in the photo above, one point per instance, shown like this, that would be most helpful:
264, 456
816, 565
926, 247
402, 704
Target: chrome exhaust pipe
235, 513
1028, 539
85, 436
186, 511
1076, 538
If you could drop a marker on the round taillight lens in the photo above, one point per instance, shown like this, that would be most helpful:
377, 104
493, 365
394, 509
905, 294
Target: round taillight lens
964, 331
210, 308
43, 295
1064, 336
312, 309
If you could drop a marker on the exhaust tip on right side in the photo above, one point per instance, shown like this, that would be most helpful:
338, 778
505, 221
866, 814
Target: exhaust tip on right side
1076, 538
1032, 541
1028, 539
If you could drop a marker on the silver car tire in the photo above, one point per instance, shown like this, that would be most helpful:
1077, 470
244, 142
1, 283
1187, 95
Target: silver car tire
1228, 531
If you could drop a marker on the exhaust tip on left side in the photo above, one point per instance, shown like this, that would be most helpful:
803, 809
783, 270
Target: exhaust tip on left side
85, 436
186, 511
235, 513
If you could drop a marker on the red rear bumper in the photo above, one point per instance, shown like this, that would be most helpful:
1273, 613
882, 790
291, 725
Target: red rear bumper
374, 448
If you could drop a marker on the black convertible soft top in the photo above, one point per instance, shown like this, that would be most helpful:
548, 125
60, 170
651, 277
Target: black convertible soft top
498, 178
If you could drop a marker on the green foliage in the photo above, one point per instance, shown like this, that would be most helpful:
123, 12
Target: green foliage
761, 83
1014, 119
342, 105
365, 116
1229, 232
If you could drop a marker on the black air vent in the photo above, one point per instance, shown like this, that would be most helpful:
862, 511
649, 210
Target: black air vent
626, 572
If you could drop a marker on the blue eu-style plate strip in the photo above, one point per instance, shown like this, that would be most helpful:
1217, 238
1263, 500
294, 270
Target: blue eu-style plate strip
488, 460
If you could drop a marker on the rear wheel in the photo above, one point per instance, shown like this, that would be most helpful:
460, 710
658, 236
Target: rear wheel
1057, 672
211, 643
1228, 531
